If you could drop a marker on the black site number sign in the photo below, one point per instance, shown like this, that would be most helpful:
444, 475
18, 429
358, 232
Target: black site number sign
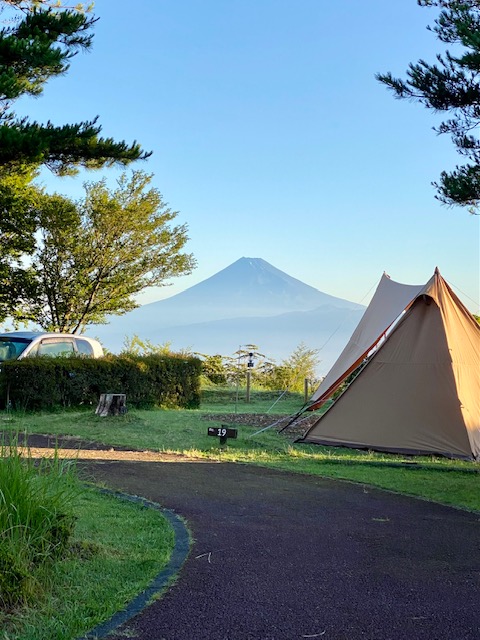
222, 432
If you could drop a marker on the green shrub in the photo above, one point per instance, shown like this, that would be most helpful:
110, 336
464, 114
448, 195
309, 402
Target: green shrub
148, 381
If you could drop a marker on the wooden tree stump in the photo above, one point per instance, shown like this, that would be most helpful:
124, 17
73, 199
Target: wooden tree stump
111, 404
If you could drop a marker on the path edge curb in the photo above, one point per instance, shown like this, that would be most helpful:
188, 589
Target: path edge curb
180, 552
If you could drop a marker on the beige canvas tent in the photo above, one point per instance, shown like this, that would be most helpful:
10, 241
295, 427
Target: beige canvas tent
419, 392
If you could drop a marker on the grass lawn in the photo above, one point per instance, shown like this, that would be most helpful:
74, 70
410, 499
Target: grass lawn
120, 547
446, 481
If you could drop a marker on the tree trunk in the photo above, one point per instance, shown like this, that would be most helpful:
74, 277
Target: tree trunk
111, 404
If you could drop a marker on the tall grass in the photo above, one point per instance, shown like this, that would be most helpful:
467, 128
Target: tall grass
36, 519
118, 547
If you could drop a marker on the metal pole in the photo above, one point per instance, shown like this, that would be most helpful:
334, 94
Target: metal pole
305, 387
249, 379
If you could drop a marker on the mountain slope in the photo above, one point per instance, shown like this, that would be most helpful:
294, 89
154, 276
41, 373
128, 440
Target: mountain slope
248, 302
250, 287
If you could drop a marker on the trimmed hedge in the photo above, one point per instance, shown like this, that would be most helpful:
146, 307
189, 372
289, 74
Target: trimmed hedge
147, 381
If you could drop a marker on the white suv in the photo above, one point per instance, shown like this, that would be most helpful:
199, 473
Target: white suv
23, 344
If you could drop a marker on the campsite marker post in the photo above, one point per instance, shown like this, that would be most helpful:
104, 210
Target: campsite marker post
250, 364
223, 433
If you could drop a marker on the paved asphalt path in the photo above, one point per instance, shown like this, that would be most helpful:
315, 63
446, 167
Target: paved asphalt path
279, 556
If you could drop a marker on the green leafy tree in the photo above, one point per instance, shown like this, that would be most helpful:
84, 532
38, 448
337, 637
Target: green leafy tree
292, 372
137, 346
96, 254
237, 365
451, 85
213, 368
37, 42
18, 222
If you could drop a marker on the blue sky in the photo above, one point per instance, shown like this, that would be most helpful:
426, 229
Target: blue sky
272, 138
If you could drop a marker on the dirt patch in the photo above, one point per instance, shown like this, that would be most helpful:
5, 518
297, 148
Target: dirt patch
262, 420
110, 455
50, 441
38, 445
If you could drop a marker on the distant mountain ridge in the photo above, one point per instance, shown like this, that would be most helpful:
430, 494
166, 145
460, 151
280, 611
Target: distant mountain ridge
326, 329
252, 286
250, 301
249, 287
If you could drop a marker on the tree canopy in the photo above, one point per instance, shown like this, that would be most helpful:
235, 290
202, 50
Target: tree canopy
292, 371
96, 254
33, 49
451, 85
37, 42
18, 223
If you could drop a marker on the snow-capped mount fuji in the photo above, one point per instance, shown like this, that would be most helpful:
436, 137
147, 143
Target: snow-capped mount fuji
248, 302
250, 287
